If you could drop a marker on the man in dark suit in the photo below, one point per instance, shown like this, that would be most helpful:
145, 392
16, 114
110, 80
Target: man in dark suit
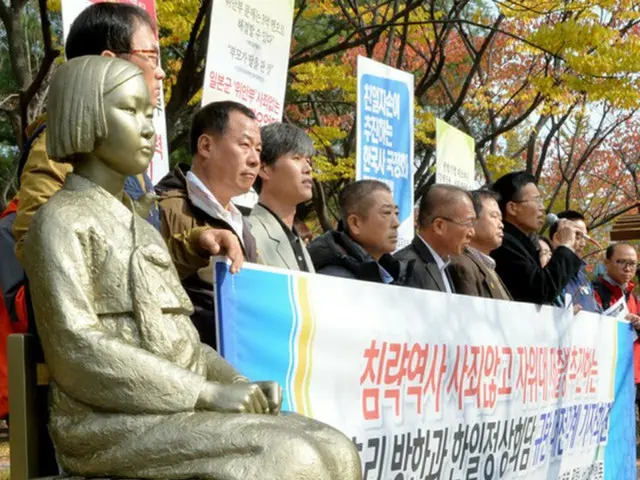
446, 221
517, 260
473, 272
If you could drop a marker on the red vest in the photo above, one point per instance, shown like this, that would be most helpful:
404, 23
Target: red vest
633, 305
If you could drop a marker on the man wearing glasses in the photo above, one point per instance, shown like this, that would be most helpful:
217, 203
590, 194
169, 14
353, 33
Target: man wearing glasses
111, 30
517, 259
446, 221
621, 263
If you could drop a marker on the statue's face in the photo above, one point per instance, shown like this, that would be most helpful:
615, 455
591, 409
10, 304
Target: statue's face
130, 141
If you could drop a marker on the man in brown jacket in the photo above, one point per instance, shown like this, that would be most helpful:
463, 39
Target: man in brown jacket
195, 204
473, 272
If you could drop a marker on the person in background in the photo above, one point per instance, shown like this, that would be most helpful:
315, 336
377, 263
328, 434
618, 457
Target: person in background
473, 272
446, 221
578, 291
283, 183
361, 246
545, 250
303, 230
517, 259
621, 261
13, 308
108, 29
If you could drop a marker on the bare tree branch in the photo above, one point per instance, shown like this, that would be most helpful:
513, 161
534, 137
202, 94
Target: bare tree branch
50, 55
607, 218
474, 69
375, 31
188, 77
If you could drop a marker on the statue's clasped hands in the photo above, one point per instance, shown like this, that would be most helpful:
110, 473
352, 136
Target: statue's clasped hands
241, 397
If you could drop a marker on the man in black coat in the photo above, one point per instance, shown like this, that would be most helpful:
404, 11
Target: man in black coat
446, 220
368, 232
517, 260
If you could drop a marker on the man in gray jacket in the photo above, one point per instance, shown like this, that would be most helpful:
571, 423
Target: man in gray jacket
283, 183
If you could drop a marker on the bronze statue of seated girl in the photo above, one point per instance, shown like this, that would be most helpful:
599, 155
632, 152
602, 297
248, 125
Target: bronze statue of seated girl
134, 393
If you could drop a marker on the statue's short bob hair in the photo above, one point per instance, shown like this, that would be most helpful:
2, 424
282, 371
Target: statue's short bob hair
75, 110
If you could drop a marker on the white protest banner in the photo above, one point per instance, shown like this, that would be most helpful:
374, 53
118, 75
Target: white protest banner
430, 385
455, 156
384, 135
248, 55
159, 165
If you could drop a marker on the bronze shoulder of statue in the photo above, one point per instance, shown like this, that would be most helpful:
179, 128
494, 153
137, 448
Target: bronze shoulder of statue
134, 393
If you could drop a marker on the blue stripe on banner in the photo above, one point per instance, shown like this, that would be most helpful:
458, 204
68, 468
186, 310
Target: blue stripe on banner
258, 349
620, 452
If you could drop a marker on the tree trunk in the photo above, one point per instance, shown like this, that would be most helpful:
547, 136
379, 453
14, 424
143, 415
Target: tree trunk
18, 51
320, 204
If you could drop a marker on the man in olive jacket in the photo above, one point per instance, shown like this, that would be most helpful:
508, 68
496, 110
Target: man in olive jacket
473, 272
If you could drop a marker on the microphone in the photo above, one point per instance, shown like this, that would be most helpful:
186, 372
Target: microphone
552, 219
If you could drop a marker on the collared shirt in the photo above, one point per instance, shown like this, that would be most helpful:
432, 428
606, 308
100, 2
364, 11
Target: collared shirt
613, 282
490, 264
442, 266
294, 240
485, 259
385, 276
206, 201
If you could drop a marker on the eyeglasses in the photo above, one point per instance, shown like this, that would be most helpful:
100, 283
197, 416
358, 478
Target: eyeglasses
626, 263
467, 224
150, 55
538, 200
